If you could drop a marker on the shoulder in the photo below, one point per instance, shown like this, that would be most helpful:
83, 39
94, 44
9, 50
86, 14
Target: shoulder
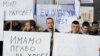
56, 30
45, 30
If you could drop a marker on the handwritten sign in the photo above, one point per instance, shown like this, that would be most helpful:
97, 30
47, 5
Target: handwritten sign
63, 15
26, 44
17, 9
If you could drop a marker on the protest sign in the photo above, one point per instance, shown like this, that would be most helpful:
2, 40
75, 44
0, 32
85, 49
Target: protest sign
17, 9
26, 44
63, 16
75, 45
1, 24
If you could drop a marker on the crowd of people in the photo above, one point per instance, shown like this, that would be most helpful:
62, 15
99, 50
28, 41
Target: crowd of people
30, 26
85, 28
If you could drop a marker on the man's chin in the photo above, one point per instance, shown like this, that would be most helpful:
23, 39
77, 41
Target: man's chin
50, 28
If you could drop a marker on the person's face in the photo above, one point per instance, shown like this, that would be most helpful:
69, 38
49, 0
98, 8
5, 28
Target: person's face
27, 26
95, 27
50, 23
85, 29
75, 28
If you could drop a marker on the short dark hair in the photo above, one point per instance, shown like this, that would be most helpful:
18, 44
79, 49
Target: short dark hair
94, 22
33, 23
85, 23
49, 18
75, 22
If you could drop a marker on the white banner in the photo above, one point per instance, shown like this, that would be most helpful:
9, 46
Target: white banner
63, 15
26, 44
66, 15
76, 45
17, 9
1, 24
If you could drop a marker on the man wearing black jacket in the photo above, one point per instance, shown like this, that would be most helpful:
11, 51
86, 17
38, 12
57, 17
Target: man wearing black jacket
50, 25
95, 27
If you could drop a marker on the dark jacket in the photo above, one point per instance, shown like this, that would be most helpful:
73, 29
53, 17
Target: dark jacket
94, 33
48, 31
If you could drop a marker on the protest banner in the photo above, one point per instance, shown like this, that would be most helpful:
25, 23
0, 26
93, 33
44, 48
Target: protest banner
66, 15
1, 24
63, 16
17, 9
26, 44
43, 12
75, 45
38, 44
